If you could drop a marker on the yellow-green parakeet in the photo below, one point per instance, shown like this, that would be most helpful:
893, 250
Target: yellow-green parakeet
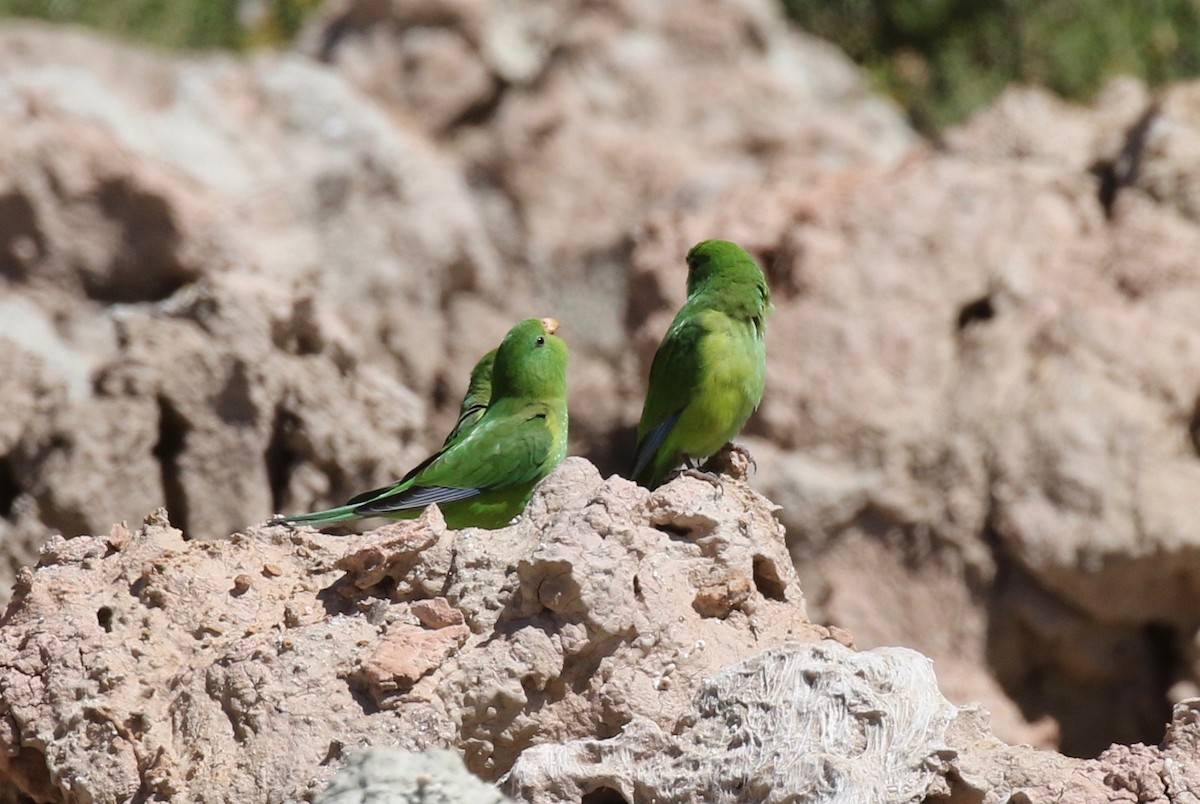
484, 476
710, 369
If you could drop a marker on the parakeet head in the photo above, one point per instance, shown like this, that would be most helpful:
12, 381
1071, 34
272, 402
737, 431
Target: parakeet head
728, 277
531, 361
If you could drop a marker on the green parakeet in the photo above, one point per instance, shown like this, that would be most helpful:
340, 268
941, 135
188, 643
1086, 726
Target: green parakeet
708, 374
485, 476
475, 403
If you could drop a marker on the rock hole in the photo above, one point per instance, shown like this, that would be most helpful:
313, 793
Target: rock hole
234, 402
363, 698
386, 588
172, 441
9, 489
280, 457
1163, 647
146, 267
637, 590
978, 311
21, 239
29, 772
104, 616
675, 532
767, 581
1060, 674
603, 795
440, 392
483, 109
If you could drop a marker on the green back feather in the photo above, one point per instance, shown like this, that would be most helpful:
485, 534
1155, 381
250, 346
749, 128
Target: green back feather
708, 373
485, 475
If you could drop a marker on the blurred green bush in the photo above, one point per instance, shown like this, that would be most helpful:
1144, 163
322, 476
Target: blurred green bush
231, 24
941, 59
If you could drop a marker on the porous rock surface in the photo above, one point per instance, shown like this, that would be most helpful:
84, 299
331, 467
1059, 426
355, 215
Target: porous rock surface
378, 234
983, 385
234, 287
817, 723
612, 642
388, 776
139, 664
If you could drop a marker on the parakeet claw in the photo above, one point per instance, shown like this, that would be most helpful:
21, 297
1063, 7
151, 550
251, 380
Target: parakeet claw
712, 478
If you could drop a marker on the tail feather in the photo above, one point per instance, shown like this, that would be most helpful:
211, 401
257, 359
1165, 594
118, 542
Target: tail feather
342, 513
649, 469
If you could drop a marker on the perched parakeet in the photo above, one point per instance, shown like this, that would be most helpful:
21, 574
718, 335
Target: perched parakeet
708, 374
479, 394
485, 476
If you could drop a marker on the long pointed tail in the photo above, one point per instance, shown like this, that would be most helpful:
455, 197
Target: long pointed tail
342, 513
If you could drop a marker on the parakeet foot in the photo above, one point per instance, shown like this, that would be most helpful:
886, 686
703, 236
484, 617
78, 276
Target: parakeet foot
712, 478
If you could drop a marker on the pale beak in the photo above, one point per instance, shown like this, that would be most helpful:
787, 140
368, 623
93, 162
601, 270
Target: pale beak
551, 325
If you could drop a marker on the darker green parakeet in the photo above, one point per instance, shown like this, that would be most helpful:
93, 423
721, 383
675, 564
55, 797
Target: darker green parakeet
479, 394
708, 374
484, 476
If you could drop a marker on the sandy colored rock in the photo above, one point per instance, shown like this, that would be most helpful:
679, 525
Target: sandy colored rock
815, 723
186, 245
138, 191
139, 661
594, 116
235, 287
386, 776
407, 653
980, 414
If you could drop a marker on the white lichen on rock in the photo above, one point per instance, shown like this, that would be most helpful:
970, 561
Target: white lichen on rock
808, 723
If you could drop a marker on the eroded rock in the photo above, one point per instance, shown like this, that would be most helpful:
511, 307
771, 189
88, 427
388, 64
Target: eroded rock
141, 664
810, 723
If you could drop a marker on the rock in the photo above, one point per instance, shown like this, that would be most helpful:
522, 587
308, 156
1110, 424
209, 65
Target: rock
595, 116
235, 287
386, 776
199, 294
564, 655
242, 668
964, 424
810, 723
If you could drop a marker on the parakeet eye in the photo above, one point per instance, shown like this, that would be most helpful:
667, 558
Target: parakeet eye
541, 341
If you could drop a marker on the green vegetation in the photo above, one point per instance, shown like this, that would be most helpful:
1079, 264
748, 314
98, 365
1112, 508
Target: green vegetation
231, 24
942, 59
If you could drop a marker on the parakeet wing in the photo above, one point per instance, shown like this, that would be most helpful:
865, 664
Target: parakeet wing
504, 449
674, 378
466, 419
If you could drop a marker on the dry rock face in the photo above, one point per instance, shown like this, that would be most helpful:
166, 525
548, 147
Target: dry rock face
613, 643
184, 251
817, 723
981, 409
353, 240
244, 668
230, 288
575, 120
